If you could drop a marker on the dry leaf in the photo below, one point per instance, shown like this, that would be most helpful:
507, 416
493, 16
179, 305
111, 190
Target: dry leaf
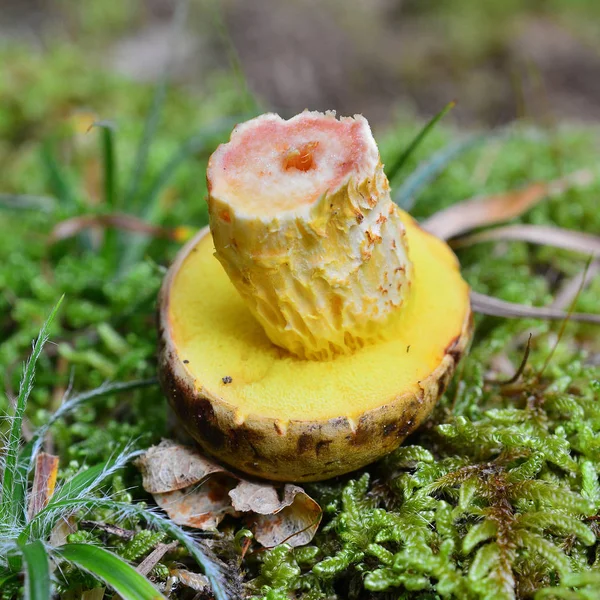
64, 527
201, 506
465, 216
198, 492
195, 581
296, 524
567, 239
94, 594
488, 305
262, 498
170, 466
44, 481
293, 519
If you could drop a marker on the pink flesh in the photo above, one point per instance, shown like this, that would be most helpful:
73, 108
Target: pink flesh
272, 165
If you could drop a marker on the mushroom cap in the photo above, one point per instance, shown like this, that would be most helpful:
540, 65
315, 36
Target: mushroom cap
270, 414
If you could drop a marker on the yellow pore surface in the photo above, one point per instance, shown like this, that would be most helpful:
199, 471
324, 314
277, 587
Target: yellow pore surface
215, 333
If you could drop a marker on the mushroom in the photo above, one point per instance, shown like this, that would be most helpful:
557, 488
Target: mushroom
314, 325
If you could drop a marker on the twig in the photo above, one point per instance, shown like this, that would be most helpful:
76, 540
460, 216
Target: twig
125, 534
155, 557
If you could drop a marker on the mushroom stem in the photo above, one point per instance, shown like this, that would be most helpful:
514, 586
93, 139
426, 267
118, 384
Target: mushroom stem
303, 223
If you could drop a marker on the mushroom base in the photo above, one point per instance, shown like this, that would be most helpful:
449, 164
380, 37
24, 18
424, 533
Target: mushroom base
272, 415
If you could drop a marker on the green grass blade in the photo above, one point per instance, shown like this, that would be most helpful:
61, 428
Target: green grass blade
107, 147
204, 141
12, 504
406, 194
151, 211
105, 565
59, 183
37, 571
132, 200
397, 165
235, 64
31, 449
107, 150
88, 481
223, 586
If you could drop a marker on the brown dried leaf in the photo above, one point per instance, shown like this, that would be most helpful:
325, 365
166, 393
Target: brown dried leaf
469, 214
44, 481
296, 524
198, 492
262, 498
294, 518
487, 305
170, 466
195, 581
60, 532
576, 241
202, 506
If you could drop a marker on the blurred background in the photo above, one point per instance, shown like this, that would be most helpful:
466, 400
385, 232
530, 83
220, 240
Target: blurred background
500, 59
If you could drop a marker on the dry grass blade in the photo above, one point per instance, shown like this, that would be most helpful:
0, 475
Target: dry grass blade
571, 287
518, 372
465, 216
558, 237
495, 307
44, 482
565, 321
71, 227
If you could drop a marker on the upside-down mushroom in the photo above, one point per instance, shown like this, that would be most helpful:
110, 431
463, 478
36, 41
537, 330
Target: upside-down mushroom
314, 325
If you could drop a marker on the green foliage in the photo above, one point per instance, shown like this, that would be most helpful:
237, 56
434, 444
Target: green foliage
25, 536
37, 571
111, 569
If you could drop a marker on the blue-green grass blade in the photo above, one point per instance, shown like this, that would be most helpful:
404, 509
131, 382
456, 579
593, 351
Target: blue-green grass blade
12, 504
37, 571
111, 569
396, 166
24, 202
406, 194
